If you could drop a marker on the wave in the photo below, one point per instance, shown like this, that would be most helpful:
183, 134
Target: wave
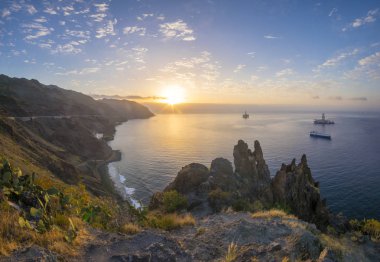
119, 182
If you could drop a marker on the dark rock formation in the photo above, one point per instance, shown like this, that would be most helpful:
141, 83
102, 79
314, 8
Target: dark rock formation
295, 188
189, 178
249, 186
254, 173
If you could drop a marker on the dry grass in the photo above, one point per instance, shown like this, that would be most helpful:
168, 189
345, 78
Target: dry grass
12, 236
169, 221
273, 213
232, 252
130, 229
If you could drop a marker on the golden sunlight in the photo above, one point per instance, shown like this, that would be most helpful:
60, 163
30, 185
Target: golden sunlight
173, 95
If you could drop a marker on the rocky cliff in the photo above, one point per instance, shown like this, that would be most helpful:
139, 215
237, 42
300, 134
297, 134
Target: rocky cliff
55, 130
249, 187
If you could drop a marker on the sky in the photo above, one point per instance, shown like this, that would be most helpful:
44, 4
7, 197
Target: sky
288, 52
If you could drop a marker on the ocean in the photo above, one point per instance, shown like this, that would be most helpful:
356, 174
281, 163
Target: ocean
347, 166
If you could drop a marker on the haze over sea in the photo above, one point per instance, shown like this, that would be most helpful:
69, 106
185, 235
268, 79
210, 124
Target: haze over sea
347, 167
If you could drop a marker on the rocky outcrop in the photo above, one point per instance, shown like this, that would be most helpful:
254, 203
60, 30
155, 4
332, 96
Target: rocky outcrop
250, 186
294, 187
254, 173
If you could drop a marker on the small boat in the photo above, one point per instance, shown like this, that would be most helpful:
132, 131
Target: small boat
245, 115
323, 121
320, 135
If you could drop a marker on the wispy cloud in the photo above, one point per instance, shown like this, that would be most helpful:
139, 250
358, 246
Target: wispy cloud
134, 30
271, 37
334, 61
251, 54
31, 9
35, 30
83, 71
144, 16
360, 98
177, 30
367, 67
333, 11
285, 72
358, 22
239, 68
107, 29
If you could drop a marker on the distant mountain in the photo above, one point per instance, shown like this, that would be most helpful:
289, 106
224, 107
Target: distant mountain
23, 97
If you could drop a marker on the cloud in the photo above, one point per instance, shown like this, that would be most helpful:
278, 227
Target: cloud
251, 54
108, 29
50, 11
271, 37
239, 68
333, 11
285, 72
36, 30
98, 17
358, 22
69, 48
334, 61
315, 97
337, 98
31, 9
366, 67
177, 30
134, 30
101, 8
370, 60
144, 16
84, 71
360, 98
5, 13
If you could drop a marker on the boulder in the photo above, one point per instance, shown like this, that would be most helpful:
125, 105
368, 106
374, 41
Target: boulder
222, 175
189, 178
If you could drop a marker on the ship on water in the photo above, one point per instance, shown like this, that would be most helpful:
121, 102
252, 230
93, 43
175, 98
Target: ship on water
320, 135
323, 121
245, 115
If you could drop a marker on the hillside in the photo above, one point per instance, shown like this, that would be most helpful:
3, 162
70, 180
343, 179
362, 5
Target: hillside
54, 129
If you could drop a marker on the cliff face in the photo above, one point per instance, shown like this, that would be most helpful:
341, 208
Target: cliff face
250, 186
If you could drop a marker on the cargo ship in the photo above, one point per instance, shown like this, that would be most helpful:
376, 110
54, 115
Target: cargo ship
323, 121
320, 135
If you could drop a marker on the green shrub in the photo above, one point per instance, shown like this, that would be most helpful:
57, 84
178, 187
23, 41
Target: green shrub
218, 198
173, 201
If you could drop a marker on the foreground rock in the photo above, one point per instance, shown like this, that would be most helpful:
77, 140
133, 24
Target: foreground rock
249, 187
267, 237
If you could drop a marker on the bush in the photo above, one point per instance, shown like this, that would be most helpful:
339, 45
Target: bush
369, 227
130, 229
173, 201
372, 228
169, 221
218, 198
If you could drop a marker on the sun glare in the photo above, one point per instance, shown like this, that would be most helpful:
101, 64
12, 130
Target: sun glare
174, 95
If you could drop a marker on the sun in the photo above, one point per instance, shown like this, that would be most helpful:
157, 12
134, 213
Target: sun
173, 95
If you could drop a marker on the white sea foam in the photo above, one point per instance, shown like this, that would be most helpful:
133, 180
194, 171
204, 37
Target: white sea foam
119, 180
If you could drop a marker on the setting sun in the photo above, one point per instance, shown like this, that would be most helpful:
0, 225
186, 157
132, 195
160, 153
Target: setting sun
174, 95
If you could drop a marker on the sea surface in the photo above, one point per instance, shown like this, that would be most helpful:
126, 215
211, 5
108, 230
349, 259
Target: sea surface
347, 166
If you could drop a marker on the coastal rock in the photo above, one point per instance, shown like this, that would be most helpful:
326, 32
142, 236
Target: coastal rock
189, 178
254, 173
222, 174
294, 188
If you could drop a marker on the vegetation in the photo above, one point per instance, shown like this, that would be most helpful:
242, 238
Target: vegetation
130, 229
369, 227
273, 213
218, 198
36, 212
173, 201
168, 221
232, 252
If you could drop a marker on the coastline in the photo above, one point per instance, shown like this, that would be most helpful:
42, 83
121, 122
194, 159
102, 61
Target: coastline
110, 175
